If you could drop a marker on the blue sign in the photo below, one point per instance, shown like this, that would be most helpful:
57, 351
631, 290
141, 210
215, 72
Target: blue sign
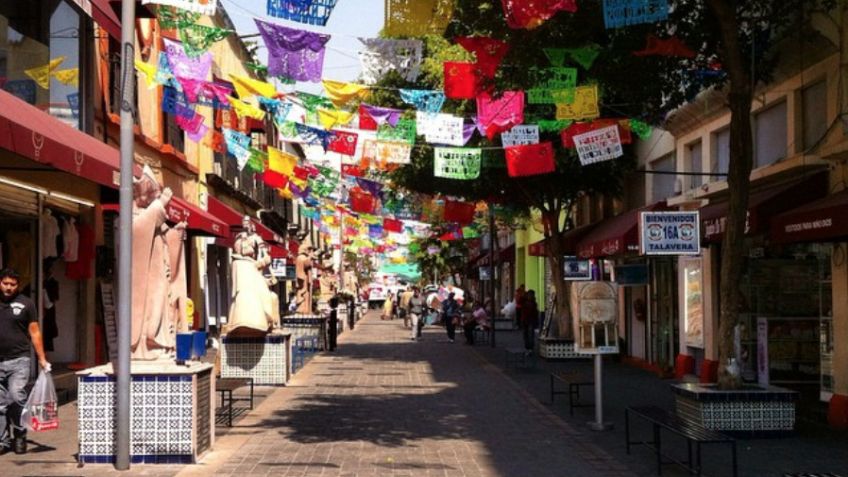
670, 233
576, 269
619, 13
24, 89
73, 103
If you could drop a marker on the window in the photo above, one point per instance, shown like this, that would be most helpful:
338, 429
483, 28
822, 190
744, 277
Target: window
770, 135
41, 45
694, 153
663, 183
721, 159
814, 110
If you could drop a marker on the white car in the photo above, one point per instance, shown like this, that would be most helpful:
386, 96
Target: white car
376, 295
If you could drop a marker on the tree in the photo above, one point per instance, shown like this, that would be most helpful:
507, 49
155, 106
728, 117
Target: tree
436, 258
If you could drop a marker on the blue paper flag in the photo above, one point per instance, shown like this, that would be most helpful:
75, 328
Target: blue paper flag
238, 144
314, 135
424, 100
23, 89
174, 102
619, 13
311, 12
73, 103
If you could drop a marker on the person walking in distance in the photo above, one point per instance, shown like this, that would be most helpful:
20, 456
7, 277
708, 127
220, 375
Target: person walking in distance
403, 309
416, 311
519, 299
528, 318
451, 313
19, 332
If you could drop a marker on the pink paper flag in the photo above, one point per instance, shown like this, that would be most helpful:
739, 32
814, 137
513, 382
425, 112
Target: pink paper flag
497, 115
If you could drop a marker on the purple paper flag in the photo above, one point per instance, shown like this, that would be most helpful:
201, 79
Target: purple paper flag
468, 131
383, 115
373, 188
185, 67
293, 53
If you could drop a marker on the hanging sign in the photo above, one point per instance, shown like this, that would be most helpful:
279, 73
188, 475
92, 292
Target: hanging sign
619, 13
584, 106
457, 163
670, 233
521, 135
598, 145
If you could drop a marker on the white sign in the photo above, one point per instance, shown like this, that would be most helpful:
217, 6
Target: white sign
440, 128
599, 145
670, 233
595, 307
522, 135
278, 267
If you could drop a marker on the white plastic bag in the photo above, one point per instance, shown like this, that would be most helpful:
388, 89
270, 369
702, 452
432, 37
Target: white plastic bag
41, 412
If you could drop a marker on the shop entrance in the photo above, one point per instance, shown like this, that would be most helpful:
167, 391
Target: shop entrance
663, 320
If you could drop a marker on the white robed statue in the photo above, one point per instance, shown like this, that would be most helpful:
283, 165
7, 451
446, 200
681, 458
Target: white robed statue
253, 310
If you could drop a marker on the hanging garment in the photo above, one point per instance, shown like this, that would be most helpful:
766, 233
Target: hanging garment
49, 232
70, 238
82, 268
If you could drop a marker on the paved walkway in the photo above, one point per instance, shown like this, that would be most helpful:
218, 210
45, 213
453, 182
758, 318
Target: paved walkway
383, 405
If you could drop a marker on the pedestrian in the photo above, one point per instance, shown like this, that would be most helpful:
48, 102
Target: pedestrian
470, 322
519, 299
403, 309
387, 309
529, 317
19, 333
416, 312
451, 314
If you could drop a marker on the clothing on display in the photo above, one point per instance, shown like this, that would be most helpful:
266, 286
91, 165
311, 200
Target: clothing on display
82, 268
49, 232
70, 239
51, 297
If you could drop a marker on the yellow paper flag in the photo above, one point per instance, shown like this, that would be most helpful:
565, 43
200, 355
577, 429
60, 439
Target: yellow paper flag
149, 72
585, 105
417, 17
69, 77
246, 110
41, 74
341, 93
330, 119
285, 193
281, 162
247, 87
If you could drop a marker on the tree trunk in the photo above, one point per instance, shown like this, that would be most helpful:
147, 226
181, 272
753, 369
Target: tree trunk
738, 180
555, 256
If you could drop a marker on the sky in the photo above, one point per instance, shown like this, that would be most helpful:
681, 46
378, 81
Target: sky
350, 19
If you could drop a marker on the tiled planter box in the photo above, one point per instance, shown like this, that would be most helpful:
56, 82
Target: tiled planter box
559, 349
267, 359
172, 413
306, 326
758, 409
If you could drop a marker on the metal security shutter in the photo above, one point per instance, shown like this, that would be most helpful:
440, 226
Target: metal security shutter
17, 202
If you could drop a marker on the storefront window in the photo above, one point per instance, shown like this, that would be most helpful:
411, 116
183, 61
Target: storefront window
40, 51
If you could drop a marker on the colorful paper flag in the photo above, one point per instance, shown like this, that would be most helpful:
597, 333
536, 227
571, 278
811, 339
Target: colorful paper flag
246, 110
170, 17
619, 13
462, 80
332, 118
149, 73
442, 128
423, 100
204, 7
238, 144
381, 56
386, 152
585, 105
311, 12
249, 87
293, 53
403, 131
497, 115
41, 74
488, 51
69, 77
183, 66
370, 117
281, 161
521, 135
457, 163
672, 46
530, 160
585, 56
343, 142
459, 212
341, 93
198, 38
529, 15
598, 145
410, 18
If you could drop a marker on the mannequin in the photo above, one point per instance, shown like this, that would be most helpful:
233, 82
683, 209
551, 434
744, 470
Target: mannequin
153, 323
252, 311
303, 269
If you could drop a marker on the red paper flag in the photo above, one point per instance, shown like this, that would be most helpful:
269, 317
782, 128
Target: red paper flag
567, 135
462, 80
489, 52
352, 170
669, 47
217, 143
449, 236
366, 122
392, 225
459, 212
529, 15
362, 202
301, 172
530, 160
343, 143
274, 179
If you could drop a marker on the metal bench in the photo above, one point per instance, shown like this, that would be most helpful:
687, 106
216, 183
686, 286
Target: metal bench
226, 386
482, 336
574, 381
692, 432
519, 358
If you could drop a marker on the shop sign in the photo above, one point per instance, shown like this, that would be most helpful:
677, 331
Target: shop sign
595, 305
670, 233
278, 267
576, 270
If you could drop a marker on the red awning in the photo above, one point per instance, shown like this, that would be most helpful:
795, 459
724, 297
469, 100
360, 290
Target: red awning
615, 236
278, 252
32, 133
763, 205
233, 218
105, 16
825, 220
569, 242
197, 220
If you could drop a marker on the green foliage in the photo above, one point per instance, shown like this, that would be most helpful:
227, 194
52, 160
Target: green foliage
450, 258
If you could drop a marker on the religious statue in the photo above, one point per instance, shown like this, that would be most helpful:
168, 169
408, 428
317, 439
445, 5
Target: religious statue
303, 272
156, 272
328, 284
255, 309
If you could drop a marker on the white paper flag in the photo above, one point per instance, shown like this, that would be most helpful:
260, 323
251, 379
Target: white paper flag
440, 128
204, 7
522, 135
457, 162
381, 56
386, 152
598, 145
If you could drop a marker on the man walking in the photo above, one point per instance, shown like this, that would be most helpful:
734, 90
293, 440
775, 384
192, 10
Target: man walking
416, 310
405, 297
18, 331
451, 313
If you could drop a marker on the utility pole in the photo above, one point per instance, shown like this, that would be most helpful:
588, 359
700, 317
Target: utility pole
492, 241
124, 321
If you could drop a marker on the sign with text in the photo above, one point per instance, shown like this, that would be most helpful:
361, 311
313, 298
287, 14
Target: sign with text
598, 145
576, 269
670, 233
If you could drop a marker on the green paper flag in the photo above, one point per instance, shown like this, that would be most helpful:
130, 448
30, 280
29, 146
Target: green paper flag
553, 125
469, 233
198, 38
170, 18
414, 248
457, 163
312, 102
404, 132
555, 55
585, 56
330, 174
256, 161
641, 129
257, 68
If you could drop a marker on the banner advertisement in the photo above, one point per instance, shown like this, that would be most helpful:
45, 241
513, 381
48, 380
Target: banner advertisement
670, 233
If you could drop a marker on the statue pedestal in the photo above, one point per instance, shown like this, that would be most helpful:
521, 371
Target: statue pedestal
306, 326
172, 413
266, 359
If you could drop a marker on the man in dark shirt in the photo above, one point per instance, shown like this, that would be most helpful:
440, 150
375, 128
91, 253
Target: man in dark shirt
18, 331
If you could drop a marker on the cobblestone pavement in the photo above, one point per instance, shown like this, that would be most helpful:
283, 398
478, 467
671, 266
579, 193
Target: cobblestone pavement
383, 405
